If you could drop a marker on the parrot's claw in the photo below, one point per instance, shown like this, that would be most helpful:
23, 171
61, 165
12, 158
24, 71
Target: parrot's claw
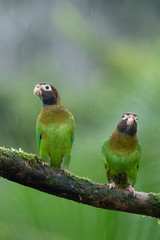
68, 172
112, 185
131, 190
44, 164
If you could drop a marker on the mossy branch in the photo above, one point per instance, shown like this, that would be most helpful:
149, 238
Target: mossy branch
27, 169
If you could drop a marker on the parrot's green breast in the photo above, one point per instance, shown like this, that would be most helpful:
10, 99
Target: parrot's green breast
55, 135
121, 157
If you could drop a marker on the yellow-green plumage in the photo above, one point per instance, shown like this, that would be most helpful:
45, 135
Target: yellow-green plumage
55, 125
122, 154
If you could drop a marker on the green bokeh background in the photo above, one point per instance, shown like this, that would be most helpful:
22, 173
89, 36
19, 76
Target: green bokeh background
103, 57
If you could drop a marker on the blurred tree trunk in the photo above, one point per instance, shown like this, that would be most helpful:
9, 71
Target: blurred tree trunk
28, 170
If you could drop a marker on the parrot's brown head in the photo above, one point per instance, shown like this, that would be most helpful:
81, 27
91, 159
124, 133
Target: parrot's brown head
128, 124
47, 93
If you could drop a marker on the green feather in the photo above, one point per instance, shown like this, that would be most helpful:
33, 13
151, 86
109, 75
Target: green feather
55, 134
120, 167
38, 138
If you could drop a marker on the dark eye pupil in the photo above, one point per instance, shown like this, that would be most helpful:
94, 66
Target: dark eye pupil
47, 87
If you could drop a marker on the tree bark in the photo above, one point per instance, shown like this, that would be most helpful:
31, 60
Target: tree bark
28, 170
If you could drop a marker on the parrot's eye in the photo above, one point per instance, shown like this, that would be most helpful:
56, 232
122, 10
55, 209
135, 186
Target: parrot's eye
124, 117
47, 87
136, 118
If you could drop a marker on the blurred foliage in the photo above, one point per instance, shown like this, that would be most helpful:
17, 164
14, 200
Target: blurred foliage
99, 77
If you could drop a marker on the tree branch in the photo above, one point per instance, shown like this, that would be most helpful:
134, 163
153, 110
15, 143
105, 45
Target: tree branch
27, 169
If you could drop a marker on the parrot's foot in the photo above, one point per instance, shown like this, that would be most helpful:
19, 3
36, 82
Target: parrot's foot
44, 164
68, 172
112, 185
131, 189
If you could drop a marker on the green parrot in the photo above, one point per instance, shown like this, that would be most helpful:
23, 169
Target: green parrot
122, 153
55, 128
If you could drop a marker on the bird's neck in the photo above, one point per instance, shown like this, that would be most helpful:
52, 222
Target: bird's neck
51, 101
122, 144
53, 114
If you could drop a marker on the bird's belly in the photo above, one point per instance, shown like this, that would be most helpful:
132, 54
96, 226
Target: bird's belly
57, 136
58, 142
120, 166
121, 169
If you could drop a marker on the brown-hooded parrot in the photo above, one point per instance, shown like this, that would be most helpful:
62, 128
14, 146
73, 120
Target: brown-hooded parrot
122, 153
55, 128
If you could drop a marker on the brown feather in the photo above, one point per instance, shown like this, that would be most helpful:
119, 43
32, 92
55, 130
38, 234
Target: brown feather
122, 144
53, 114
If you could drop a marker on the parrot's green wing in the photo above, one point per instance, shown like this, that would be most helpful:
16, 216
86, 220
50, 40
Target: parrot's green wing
121, 168
73, 133
66, 158
139, 149
105, 149
42, 146
38, 138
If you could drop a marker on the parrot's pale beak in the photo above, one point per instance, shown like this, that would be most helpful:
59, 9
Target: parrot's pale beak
37, 90
130, 120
